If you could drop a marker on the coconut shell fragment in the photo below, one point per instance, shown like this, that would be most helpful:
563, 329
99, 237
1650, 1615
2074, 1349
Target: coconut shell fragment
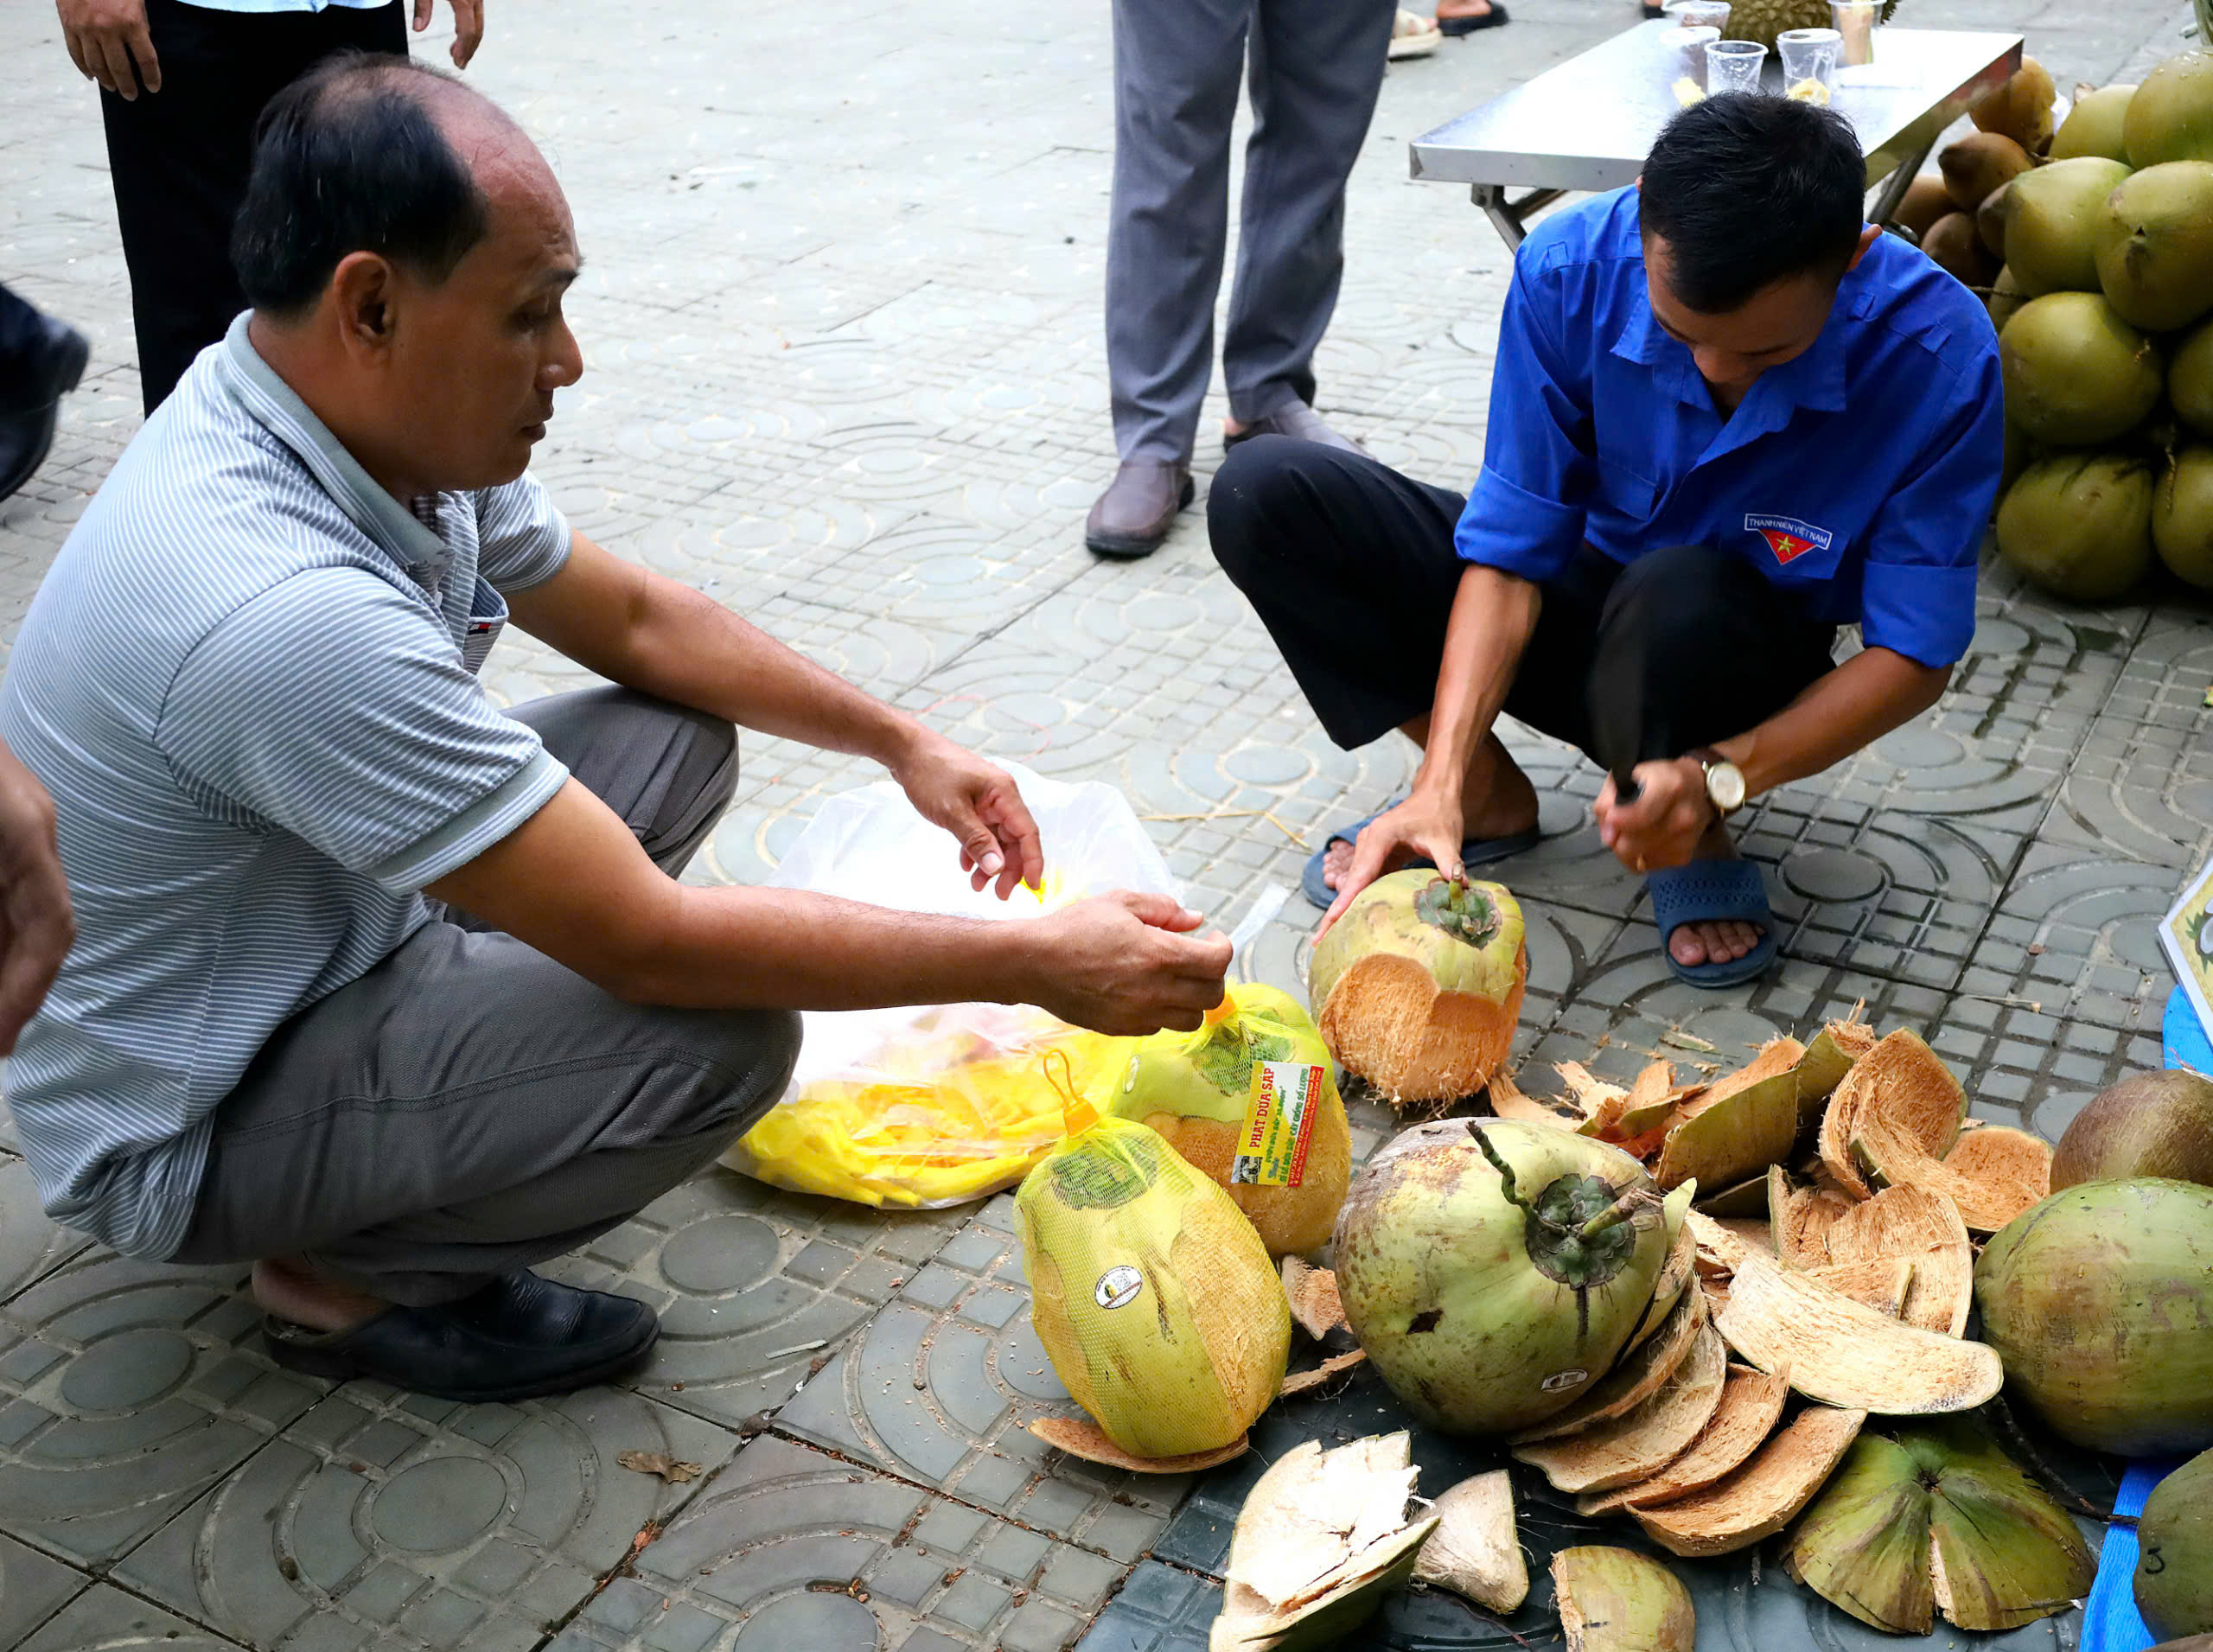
1635, 1379
1616, 1600
2007, 1171
1327, 1371
1901, 1090
1924, 1226
1799, 1219
1751, 1404
1080, 1436
1720, 1246
1879, 1282
1760, 1498
1846, 1354
1639, 1444
1316, 1307
1827, 1059
1676, 1273
1473, 1552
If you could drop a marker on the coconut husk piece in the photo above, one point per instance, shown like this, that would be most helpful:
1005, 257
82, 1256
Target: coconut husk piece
1720, 1247
1616, 1600
1844, 1354
1899, 1088
1634, 1379
1473, 1552
1762, 1496
1746, 1200
1879, 1282
1996, 1180
1315, 1305
1799, 1219
1598, 1104
1676, 1274
1640, 1443
1508, 1101
1733, 1138
1328, 1370
1827, 1059
1774, 1058
1925, 1227
1751, 1404
1080, 1436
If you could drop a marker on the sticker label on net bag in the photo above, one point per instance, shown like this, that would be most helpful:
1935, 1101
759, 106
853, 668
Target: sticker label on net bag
1117, 1287
1278, 1124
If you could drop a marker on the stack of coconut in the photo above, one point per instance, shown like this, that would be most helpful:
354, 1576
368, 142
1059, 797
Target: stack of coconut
2094, 244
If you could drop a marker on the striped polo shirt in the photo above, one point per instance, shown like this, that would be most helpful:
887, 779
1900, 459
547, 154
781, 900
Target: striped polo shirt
249, 681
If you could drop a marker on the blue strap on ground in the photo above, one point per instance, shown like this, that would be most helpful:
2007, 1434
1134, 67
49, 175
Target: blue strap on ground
2110, 1623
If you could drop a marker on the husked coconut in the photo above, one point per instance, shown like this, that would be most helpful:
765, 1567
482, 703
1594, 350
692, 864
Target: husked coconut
1419, 984
2076, 373
2155, 246
2149, 1124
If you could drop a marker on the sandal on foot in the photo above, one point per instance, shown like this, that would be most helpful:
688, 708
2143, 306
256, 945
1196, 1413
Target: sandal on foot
1494, 18
1706, 892
1413, 35
1476, 851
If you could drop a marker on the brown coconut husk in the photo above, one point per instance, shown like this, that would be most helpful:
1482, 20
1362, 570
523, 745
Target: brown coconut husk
1762, 1496
1720, 1247
1676, 1274
2000, 1172
1641, 1442
1597, 1105
1846, 1354
1799, 1219
1634, 1379
1386, 1020
1327, 1371
1315, 1308
1616, 1600
1925, 1227
1834, 1050
1473, 1552
1289, 1219
1508, 1101
1879, 1282
1080, 1436
1751, 1404
1902, 1084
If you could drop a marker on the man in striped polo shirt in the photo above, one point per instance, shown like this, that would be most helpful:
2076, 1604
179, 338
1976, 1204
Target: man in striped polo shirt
249, 683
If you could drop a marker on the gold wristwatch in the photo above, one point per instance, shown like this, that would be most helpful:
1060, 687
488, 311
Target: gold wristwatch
1724, 781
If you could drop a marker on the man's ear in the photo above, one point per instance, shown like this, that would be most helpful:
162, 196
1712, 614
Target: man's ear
1866, 239
362, 291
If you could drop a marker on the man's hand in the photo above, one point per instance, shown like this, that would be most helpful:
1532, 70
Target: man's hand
978, 803
1662, 827
467, 26
35, 927
1128, 965
108, 43
1429, 823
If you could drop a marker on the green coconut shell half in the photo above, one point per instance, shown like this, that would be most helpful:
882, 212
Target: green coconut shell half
1616, 1600
1735, 1140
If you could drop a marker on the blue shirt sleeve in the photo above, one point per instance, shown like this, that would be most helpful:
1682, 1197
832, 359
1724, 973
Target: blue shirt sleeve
1917, 595
1525, 513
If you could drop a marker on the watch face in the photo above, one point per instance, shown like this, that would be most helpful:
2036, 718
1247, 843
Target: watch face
1725, 784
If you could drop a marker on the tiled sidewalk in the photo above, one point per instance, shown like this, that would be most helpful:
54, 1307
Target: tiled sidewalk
840, 318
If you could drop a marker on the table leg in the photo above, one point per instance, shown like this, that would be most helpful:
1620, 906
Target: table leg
1506, 216
1897, 183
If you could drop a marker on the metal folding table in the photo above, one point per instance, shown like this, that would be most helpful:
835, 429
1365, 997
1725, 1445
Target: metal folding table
1586, 123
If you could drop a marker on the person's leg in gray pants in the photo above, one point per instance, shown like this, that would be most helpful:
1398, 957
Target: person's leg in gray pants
470, 1107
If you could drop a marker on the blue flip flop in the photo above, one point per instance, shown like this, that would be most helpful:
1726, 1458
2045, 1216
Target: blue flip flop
1704, 891
1476, 851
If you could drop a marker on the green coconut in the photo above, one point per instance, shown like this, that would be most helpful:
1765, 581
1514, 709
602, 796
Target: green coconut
2174, 1562
2079, 525
2093, 126
2076, 373
1418, 984
2149, 1124
2189, 380
1495, 1270
2171, 116
2051, 222
2155, 246
2095, 1302
1156, 1301
2005, 298
2182, 516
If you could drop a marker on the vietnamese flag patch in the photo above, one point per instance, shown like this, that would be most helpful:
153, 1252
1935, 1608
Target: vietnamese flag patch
1787, 537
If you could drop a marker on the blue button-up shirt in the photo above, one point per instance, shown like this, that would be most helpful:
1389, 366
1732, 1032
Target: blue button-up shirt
1859, 476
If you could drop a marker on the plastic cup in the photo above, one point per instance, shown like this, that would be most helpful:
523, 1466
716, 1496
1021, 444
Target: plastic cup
1691, 44
1734, 66
1698, 14
1855, 24
1809, 63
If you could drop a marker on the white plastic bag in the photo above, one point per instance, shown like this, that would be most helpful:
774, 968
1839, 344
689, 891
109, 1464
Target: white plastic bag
940, 1105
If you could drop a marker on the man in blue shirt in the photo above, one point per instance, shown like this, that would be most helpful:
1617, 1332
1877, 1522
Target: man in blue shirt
1727, 418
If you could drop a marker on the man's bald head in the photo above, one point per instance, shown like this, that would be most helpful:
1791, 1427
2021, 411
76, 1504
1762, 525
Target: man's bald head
372, 154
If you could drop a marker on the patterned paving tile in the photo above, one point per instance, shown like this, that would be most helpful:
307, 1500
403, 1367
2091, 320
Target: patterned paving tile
2079, 936
126, 1389
30, 1245
383, 1519
940, 1388
32, 1587
797, 1549
105, 1616
754, 1287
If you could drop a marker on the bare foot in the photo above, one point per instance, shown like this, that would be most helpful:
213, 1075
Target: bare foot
287, 1287
1720, 940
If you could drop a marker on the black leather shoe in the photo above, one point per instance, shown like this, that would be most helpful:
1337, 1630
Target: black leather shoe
1139, 507
35, 382
519, 1335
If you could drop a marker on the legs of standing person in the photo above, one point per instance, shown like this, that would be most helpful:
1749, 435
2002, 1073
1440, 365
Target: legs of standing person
1177, 64
41, 361
179, 159
1317, 67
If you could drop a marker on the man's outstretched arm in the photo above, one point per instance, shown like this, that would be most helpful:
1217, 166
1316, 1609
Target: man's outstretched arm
650, 633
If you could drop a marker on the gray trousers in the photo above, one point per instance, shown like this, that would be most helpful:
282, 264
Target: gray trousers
1315, 68
469, 1107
